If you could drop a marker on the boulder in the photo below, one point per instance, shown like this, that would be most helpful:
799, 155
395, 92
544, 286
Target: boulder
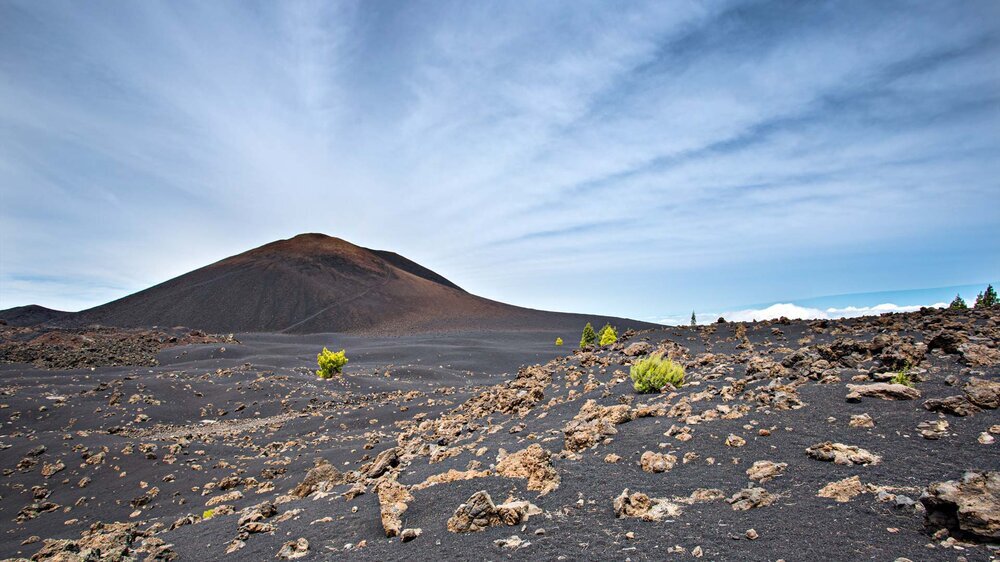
294, 549
479, 512
593, 423
955, 405
751, 498
322, 477
861, 421
983, 393
970, 506
840, 453
842, 490
978, 355
393, 500
762, 471
883, 390
409, 534
534, 464
385, 460
643, 507
933, 429
657, 462
638, 348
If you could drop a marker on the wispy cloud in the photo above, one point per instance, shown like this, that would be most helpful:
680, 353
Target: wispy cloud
597, 157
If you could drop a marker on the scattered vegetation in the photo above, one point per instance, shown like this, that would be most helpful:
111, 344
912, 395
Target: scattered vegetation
330, 363
589, 336
559, 341
959, 302
694, 319
987, 299
654, 372
902, 377
608, 335
208, 514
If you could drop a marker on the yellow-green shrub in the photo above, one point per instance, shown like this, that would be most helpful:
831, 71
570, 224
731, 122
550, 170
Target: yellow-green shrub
608, 336
330, 363
903, 378
208, 514
559, 341
654, 372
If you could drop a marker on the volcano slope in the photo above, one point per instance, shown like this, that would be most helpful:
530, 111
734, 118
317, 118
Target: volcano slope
471, 446
316, 283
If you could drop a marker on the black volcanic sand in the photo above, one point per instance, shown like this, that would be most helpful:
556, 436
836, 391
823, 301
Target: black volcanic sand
255, 409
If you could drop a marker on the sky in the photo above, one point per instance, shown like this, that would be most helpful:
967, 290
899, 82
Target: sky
634, 159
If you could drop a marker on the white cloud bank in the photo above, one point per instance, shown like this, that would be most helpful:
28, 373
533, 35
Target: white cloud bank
795, 311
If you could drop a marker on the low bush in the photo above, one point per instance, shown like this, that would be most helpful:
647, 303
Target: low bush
903, 378
330, 363
654, 372
559, 341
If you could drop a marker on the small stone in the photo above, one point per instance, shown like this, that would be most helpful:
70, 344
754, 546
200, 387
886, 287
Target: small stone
294, 549
513, 542
861, 420
735, 441
751, 534
409, 534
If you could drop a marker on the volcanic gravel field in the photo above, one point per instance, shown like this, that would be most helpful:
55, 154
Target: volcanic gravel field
500, 445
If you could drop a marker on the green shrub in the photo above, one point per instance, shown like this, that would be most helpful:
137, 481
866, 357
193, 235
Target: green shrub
903, 378
208, 514
559, 341
654, 372
608, 336
589, 337
959, 302
330, 363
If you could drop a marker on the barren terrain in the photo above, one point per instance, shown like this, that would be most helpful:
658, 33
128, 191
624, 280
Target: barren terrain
782, 444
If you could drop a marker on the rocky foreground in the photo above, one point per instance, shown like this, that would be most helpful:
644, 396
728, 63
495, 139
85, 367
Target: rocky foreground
789, 440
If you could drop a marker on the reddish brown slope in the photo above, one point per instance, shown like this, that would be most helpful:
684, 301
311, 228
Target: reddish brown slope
317, 283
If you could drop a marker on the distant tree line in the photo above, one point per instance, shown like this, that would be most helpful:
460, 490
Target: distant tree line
986, 299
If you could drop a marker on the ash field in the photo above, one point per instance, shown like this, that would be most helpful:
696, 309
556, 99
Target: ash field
785, 442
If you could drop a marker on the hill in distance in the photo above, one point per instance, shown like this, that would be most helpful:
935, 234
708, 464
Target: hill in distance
32, 315
316, 283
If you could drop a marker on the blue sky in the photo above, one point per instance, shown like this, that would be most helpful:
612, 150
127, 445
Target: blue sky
637, 159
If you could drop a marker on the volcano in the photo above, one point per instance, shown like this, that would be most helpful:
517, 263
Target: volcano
316, 283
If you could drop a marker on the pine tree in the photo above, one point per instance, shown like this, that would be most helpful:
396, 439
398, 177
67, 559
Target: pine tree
694, 321
589, 336
987, 299
608, 335
604, 329
959, 302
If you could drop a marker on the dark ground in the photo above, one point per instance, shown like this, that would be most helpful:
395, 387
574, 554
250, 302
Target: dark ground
255, 409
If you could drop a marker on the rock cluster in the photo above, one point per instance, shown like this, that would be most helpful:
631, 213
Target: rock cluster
479, 513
